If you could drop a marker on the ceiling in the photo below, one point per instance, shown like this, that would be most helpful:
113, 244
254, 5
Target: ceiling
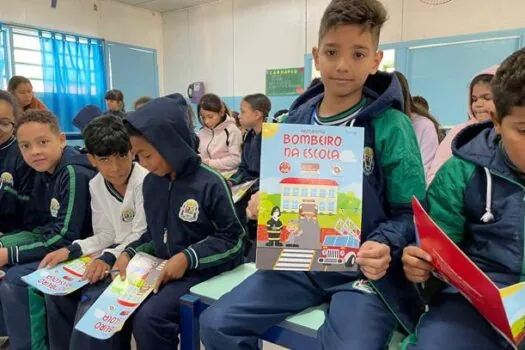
164, 5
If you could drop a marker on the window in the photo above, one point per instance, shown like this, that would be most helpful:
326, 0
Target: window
27, 57
286, 205
67, 71
287, 191
304, 192
295, 204
331, 193
331, 206
322, 206
295, 191
322, 193
313, 192
3, 57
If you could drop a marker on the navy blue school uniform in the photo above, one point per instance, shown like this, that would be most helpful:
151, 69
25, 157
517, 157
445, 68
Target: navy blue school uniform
477, 199
16, 181
61, 202
362, 314
193, 214
249, 170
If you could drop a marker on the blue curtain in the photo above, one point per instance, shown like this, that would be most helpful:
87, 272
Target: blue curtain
74, 75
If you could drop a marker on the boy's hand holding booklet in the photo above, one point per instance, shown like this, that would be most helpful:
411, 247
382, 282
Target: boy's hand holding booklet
503, 308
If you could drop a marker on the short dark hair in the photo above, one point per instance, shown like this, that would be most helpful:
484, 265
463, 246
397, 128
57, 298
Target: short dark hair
141, 101
259, 102
508, 85
38, 116
370, 15
106, 136
9, 99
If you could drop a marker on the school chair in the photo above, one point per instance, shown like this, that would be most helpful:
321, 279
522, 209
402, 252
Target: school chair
296, 332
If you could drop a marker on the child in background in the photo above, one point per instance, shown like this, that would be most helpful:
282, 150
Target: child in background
190, 216
477, 199
366, 305
141, 101
220, 139
115, 102
254, 112
22, 89
118, 219
425, 125
16, 177
60, 198
480, 109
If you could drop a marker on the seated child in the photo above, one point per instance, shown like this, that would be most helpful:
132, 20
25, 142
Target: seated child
365, 306
190, 217
477, 199
220, 139
118, 219
16, 177
60, 199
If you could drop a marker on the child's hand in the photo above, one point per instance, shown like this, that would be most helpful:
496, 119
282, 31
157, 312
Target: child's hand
374, 259
121, 264
96, 271
252, 211
417, 264
173, 270
54, 258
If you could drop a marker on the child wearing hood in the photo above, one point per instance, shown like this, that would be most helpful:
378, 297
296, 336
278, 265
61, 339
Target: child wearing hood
365, 306
190, 216
477, 199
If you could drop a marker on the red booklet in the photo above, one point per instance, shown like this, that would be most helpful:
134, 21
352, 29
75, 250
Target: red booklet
503, 308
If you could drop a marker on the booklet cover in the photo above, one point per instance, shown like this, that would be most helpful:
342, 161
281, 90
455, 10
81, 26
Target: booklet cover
108, 314
503, 308
62, 279
310, 197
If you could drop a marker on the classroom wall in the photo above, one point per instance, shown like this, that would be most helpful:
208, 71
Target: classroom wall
229, 44
111, 20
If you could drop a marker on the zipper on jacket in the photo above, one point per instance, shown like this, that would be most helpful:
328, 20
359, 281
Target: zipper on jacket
165, 238
522, 277
209, 143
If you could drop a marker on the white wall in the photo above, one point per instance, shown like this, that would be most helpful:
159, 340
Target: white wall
229, 44
112, 21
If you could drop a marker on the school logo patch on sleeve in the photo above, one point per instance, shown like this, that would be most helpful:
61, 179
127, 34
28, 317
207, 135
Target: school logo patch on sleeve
189, 211
54, 207
363, 286
368, 161
128, 215
7, 178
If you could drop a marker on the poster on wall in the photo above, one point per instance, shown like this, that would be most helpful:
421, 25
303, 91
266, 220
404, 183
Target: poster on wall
284, 81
